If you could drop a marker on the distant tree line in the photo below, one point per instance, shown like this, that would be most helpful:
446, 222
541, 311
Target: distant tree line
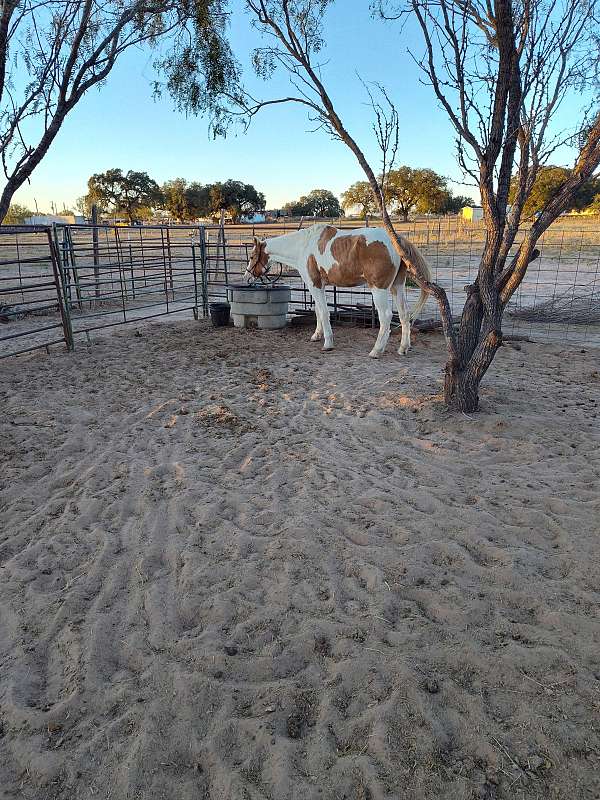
318, 203
17, 214
548, 183
407, 190
136, 196
423, 191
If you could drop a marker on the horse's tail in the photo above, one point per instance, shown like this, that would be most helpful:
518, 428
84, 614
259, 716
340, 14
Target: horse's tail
420, 304
421, 268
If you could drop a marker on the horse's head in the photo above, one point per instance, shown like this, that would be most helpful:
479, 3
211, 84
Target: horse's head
258, 261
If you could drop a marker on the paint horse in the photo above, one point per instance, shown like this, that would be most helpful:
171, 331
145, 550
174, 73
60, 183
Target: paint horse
327, 256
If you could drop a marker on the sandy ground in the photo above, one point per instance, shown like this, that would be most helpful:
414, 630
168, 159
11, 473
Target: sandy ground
233, 567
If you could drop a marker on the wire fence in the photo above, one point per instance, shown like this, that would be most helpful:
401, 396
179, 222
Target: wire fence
61, 283
558, 300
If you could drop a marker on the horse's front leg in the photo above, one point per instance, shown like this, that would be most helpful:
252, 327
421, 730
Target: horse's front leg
381, 298
323, 321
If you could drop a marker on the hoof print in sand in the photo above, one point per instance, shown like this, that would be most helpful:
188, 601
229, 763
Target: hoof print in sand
301, 718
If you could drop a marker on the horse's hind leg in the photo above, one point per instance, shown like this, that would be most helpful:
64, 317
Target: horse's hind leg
399, 295
318, 334
381, 298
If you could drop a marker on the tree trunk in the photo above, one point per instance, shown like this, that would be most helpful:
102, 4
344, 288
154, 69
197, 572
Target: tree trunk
461, 390
463, 376
18, 178
6, 198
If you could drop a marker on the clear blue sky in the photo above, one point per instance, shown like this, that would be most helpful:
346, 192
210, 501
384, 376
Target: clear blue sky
120, 125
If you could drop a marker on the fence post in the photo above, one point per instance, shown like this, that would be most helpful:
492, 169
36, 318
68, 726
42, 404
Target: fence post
195, 273
170, 265
69, 258
95, 250
122, 280
222, 238
203, 273
64, 268
61, 288
131, 267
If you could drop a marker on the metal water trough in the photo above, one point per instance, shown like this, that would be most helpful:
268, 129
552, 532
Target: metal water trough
257, 306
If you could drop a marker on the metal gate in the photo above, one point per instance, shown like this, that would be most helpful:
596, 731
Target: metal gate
96, 277
113, 275
33, 311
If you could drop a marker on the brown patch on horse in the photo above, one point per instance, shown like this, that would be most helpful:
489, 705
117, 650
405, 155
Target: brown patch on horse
379, 270
258, 259
401, 275
263, 258
348, 269
313, 271
358, 262
326, 235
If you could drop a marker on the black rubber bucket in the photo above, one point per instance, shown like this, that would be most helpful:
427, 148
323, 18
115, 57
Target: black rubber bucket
219, 314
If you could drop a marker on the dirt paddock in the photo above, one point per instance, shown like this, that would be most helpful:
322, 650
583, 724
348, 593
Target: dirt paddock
234, 567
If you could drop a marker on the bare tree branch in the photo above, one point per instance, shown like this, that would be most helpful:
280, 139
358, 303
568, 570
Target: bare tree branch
62, 48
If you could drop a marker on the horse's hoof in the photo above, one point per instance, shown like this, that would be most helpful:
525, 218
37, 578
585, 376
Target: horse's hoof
374, 354
316, 337
402, 351
327, 347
